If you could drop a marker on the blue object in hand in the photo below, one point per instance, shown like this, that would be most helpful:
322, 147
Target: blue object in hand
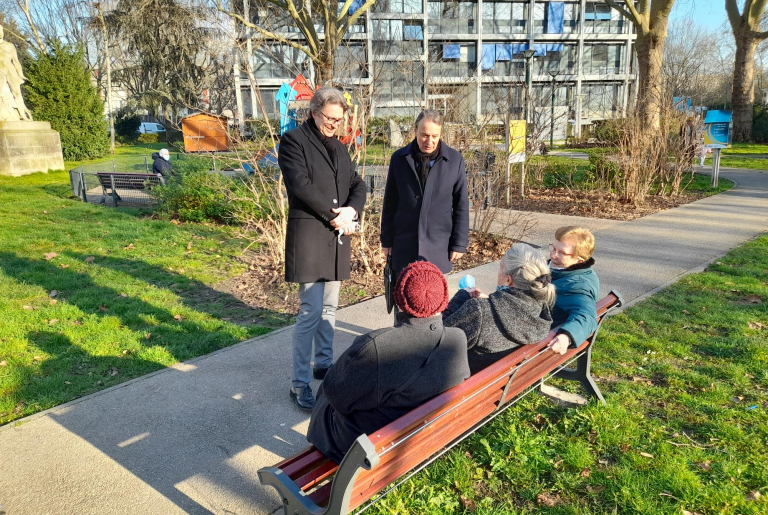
467, 282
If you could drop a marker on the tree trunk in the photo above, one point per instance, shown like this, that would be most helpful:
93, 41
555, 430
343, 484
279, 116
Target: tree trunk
743, 95
649, 48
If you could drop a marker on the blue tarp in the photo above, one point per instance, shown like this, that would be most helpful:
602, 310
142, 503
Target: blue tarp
540, 50
518, 48
413, 32
718, 116
451, 51
555, 47
357, 4
555, 16
489, 57
504, 52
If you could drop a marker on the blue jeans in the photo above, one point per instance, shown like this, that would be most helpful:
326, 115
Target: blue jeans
316, 321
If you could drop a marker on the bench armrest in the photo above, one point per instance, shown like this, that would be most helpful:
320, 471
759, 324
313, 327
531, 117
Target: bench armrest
361, 455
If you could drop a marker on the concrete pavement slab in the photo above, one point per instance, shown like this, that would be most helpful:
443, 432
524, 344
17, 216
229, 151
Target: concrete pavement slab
189, 439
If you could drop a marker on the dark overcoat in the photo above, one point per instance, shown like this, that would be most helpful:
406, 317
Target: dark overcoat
361, 391
429, 224
315, 185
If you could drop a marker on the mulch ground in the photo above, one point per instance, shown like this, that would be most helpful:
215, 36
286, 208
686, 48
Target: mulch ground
263, 287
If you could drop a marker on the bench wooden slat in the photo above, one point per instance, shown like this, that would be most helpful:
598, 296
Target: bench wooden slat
418, 436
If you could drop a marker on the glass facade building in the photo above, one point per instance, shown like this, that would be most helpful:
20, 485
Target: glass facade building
464, 58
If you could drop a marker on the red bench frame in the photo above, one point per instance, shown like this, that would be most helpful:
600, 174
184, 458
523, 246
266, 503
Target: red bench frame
311, 484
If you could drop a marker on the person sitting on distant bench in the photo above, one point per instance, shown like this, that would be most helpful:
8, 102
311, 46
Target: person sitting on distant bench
577, 286
517, 313
162, 163
388, 372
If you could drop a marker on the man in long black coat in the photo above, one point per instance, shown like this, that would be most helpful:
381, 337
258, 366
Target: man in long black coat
425, 215
325, 197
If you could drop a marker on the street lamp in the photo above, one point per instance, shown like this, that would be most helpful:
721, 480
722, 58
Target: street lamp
552, 113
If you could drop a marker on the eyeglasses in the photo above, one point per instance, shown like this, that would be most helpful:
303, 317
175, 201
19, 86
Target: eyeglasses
329, 120
553, 250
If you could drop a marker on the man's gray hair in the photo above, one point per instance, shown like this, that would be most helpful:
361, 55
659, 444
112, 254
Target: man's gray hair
431, 115
529, 271
327, 95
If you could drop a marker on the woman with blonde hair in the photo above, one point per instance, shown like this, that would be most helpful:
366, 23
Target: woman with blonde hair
517, 313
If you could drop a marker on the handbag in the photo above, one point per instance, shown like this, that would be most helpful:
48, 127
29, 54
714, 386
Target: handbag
389, 284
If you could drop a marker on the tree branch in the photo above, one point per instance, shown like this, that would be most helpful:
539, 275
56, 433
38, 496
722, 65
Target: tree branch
24, 6
631, 16
734, 17
263, 32
352, 18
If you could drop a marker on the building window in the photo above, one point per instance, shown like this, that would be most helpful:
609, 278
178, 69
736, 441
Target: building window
277, 61
397, 39
397, 6
350, 61
452, 59
452, 17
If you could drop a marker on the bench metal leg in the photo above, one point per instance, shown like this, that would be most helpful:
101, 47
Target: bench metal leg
295, 501
583, 375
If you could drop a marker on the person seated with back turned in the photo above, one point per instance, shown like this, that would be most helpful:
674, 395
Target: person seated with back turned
517, 313
576, 284
161, 164
388, 372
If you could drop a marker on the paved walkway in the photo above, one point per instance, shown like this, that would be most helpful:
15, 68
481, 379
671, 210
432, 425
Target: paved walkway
190, 439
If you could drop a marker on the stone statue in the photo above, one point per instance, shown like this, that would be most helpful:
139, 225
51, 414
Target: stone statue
11, 78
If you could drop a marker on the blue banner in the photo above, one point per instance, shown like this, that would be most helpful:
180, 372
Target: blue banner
452, 51
489, 57
504, 52
555, 17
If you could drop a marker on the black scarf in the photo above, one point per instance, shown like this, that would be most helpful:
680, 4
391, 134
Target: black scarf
422, 161
328, 143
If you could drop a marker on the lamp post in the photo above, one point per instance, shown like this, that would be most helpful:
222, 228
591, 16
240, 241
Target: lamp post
527, 55
552, 113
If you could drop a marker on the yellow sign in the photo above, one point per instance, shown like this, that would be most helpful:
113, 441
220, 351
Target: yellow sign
516, 144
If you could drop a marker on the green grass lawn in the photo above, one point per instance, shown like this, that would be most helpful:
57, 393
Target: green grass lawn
685, 428
92, 296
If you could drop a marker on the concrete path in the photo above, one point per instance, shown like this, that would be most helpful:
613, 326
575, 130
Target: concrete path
190, 439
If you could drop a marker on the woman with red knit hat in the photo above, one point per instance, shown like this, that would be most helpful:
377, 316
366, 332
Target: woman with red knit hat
390, 371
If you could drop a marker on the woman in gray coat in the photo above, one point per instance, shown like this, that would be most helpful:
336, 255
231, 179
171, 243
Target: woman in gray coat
517, 313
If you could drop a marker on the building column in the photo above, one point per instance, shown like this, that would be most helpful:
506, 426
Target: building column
479, 73
579, 64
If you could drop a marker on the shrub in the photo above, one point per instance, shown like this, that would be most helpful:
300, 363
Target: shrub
149, 137
127, 125
760, 125
59, 91
195, 194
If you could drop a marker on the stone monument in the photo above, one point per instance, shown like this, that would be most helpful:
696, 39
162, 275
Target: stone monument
26, 146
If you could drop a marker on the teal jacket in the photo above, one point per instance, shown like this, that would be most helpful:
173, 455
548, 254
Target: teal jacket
575, 309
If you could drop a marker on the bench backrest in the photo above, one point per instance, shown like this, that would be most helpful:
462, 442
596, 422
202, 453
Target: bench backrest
130, 181
415, 437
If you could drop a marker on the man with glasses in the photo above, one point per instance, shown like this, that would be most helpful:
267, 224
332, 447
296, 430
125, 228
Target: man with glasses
325, 198
576, 284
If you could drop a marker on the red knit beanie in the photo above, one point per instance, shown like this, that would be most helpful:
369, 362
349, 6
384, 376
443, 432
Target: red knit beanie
421, 290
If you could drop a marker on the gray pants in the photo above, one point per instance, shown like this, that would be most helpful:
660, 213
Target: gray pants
316, 321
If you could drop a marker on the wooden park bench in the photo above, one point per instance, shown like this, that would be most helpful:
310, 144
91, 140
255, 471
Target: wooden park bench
311, 484
113, 181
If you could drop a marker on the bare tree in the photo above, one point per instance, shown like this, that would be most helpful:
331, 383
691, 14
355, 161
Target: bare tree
334, 20
747, 34
650, 19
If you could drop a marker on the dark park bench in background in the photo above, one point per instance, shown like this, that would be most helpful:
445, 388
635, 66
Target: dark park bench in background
111, 182
310, 484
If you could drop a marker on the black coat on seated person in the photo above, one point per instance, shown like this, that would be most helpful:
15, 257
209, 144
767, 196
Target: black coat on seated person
495, 326
356, 396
